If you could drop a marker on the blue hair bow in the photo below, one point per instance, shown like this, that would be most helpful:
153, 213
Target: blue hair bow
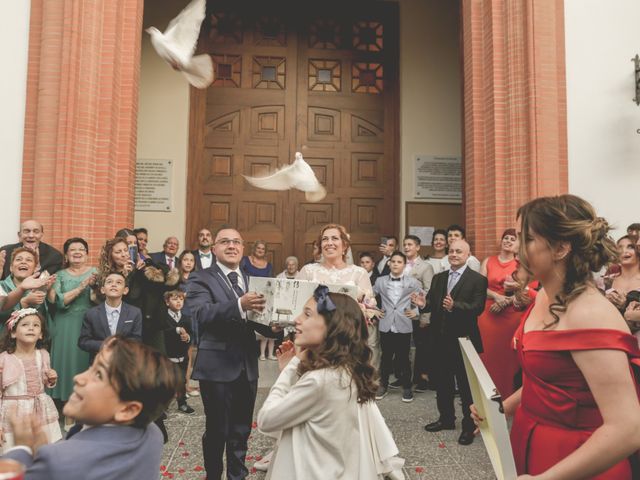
321, 296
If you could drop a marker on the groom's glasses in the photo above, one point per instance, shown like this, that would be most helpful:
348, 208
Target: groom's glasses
228, 241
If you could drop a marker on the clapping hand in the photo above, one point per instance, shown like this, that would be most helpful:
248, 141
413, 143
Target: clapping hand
89, 281
285, 352
33, 298
448, 303
37, 281
27, 430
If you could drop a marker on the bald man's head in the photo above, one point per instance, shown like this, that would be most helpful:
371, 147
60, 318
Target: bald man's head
30, 234
459, 252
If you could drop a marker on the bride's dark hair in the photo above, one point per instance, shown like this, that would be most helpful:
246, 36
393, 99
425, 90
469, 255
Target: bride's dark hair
345, 346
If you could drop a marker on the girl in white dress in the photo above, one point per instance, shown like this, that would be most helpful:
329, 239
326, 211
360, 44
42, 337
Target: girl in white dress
322, 406
25, 371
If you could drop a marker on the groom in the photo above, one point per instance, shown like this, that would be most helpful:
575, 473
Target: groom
227, 361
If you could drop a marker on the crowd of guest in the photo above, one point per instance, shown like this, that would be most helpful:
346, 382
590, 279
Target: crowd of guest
164, 301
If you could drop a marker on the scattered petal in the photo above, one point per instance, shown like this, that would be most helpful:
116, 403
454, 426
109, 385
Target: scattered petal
441, 445
419, 469
254, 424
249, 458
198, 468
181, 444
253, 470
163, 468
185, 454
181, 470
258, 457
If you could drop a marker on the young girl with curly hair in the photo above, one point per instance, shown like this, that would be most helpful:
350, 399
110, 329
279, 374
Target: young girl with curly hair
322, 406
25, 372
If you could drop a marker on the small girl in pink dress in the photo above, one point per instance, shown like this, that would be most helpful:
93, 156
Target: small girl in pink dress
25, 371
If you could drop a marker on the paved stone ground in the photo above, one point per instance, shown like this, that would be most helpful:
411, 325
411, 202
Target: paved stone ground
427, 455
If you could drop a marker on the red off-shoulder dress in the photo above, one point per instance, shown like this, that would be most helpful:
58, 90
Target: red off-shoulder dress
497, 329
558, 413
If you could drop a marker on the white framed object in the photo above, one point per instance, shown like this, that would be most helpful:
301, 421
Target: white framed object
285, 298
488, 402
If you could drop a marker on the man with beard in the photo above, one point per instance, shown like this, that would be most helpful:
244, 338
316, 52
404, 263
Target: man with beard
204, 253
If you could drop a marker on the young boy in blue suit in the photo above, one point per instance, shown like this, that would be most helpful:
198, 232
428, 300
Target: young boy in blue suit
111, 317
116, 399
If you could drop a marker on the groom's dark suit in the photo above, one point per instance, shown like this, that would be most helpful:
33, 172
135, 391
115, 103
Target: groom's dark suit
469, 295
226, 366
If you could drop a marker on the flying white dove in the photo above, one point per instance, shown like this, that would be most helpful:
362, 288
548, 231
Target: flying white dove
178, 42
297, 175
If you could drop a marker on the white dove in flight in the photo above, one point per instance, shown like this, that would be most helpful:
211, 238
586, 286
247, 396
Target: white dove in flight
178, 42
297, 175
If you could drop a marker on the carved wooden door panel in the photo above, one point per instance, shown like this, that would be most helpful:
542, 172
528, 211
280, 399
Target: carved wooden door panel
286, 82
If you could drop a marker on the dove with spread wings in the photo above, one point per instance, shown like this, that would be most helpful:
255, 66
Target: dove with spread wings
298, 175
178, 42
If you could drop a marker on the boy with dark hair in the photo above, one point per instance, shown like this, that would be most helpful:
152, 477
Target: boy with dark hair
457, 232
116, 399
177, 338
111, 317
395, 326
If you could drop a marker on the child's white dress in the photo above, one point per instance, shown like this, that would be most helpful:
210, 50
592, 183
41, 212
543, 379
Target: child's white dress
23, 383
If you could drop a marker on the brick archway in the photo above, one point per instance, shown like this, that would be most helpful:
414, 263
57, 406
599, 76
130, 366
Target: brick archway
515, 133
81, 117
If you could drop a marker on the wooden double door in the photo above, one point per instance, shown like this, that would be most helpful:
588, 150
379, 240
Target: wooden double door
291, 77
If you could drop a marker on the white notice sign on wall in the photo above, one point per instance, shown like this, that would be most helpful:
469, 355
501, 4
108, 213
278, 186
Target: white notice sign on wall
153, 185
439, 178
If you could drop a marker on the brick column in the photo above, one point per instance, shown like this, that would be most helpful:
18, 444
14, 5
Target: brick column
515, 134
81, 117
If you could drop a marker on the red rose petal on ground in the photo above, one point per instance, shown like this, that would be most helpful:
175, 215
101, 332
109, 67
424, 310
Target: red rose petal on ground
181, 444
254, 424
258, 457
166, 474
185, 454
249, 457
163, 468
253, 470
198, 469
419, 469
441, 445
181, 470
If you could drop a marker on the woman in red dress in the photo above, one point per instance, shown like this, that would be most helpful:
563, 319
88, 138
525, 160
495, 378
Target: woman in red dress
577, 414
500, 319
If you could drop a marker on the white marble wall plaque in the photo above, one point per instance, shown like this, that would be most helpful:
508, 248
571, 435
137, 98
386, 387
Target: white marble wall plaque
153, 185
438, 178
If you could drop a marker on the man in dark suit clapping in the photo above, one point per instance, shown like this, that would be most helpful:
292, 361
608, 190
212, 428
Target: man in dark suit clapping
455, 300
227, 361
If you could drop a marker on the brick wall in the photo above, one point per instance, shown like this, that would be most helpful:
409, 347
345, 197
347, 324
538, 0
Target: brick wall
515, 139
81, 117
